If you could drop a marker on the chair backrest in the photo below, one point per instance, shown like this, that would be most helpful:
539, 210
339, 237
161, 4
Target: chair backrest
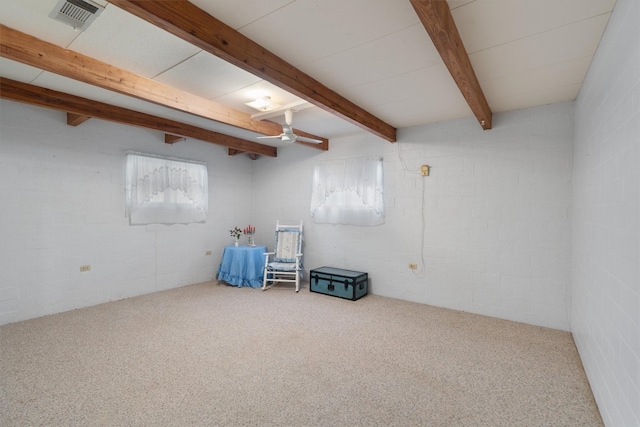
288, 242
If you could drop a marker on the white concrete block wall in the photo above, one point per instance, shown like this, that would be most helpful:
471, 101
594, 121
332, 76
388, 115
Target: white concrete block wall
497, 214
62, 206
605, 317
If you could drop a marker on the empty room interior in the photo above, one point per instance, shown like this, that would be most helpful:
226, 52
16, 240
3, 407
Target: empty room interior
478, 159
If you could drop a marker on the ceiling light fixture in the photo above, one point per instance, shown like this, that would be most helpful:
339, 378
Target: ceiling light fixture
262, 104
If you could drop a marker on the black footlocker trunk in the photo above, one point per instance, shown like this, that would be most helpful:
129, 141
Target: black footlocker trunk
338, 282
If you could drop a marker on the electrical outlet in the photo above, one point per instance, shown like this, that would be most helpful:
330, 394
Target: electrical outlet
208, 253
84, 268
424, 169
413, 266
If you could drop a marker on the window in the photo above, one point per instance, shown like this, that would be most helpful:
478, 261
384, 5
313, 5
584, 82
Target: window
165, 190
348, 191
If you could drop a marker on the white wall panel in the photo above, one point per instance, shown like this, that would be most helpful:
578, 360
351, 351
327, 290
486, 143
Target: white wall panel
605, 317
62, 193
496, 210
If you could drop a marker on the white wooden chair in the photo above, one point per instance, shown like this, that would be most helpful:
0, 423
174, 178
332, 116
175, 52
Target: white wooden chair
284, 264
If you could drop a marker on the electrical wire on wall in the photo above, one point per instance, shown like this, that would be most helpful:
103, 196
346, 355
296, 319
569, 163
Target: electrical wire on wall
421, 272
423, 171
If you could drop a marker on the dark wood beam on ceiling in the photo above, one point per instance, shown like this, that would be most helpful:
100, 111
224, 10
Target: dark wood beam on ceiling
232, 152
76, 119
34, 95
30, 50
324, 145
437, 20
187, 21
172, 139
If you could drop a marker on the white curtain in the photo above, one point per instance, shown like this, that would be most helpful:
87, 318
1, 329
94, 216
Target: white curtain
165, 191
348, 191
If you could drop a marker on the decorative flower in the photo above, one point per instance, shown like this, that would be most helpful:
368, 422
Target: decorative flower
235, 232
249, 230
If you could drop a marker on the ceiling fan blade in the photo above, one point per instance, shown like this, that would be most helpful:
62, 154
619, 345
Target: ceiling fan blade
312, 140
287, 134
271, 137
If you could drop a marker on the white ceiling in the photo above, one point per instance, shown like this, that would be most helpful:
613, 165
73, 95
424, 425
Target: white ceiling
376, 53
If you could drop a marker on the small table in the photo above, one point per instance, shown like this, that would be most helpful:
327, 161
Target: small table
242, 265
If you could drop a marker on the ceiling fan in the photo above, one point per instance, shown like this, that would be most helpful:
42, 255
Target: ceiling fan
287, 134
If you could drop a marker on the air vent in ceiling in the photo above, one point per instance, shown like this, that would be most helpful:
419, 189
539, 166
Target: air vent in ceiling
77, 13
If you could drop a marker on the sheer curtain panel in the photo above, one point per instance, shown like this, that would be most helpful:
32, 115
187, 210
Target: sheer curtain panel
348, 191
165, 190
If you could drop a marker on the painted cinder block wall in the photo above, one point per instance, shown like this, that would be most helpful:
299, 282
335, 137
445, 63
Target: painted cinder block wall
605, 290
496, 213
62, 206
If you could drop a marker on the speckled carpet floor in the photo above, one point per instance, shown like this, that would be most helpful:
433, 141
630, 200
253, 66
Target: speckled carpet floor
216, 355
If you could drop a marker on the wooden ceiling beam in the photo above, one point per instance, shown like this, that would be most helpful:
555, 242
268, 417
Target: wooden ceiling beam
324, 145
233, 152
186, 21
172, 139
76, 119
34, 95
437, 20
30, 50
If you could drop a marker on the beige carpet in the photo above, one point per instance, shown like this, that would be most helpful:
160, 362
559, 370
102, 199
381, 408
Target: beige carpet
211, 354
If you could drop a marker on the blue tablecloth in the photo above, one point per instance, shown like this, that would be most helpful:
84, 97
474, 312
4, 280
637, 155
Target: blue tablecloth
242, 265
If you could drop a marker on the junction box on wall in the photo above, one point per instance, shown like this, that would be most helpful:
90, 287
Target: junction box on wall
424, 169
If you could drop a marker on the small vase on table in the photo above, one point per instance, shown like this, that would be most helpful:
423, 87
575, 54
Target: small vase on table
235, 232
